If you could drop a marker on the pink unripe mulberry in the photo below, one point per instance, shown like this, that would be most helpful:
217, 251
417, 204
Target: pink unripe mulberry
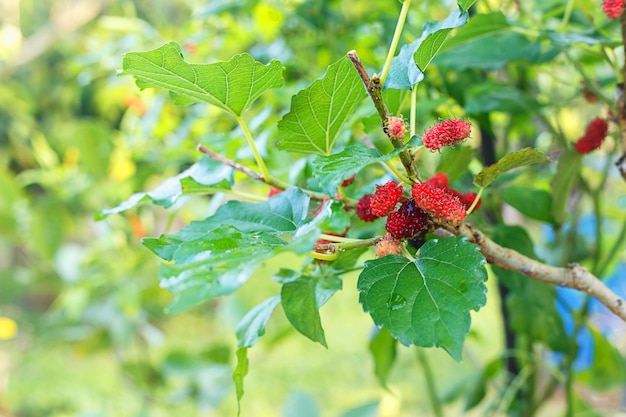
388, 245
396, 127
612, 8
385, 198
438, 202
593, 137
446, 133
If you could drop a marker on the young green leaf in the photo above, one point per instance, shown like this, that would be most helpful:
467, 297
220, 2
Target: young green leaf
383, 348
214, 265
479, 26
465, 4
408, 67
301, 301
491, 52
319, 111
215, 256
231, 85
426, 302
204, 177
521, 158
333, 169
252, 325
239, 374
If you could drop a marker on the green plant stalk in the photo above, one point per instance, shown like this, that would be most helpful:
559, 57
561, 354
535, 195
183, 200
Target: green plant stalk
344, 246
475, 202
257, 155
395, 40
430, 384
397, 173
413, 114
567, 14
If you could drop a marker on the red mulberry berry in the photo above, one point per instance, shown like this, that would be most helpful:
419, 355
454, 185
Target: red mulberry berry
612, 8
273, 191
396, 128
407, 221
348, 181
439, 180
468, 199
438, 203
364, 209
389, 245
593, 137
385, 198
446, 133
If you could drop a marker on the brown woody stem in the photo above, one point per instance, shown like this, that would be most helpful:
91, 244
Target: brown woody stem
575, 276
375, 91
271, 181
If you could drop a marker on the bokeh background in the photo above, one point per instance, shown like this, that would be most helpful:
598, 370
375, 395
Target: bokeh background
82, 327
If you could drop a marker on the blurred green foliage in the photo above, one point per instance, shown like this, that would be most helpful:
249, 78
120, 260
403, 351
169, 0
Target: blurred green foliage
92, 337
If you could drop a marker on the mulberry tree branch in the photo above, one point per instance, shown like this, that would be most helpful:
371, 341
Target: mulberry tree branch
574, 276
374, 89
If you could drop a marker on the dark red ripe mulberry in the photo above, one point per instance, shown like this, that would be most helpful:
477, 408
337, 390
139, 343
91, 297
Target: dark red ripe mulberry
407, 221
364, 209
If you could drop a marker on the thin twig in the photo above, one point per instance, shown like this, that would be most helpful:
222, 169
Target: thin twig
271, 181
219, 158
374, 89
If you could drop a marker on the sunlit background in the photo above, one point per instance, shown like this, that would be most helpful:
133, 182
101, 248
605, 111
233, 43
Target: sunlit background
82, 325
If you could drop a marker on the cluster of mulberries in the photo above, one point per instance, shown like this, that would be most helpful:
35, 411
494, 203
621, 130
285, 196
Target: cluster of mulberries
612, 8
407, 221
593, 137
402, 222
438, 202
446, 133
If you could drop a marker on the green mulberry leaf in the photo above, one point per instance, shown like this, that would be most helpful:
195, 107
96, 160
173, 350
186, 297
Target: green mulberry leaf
426, 302
517, 159
319, 111
204, 177
231, 85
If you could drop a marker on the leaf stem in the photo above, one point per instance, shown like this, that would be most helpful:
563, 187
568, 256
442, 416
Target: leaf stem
567, 14
397, 173
396, 39
413, 114
475, 202
257, 155
324, 256
349, 245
